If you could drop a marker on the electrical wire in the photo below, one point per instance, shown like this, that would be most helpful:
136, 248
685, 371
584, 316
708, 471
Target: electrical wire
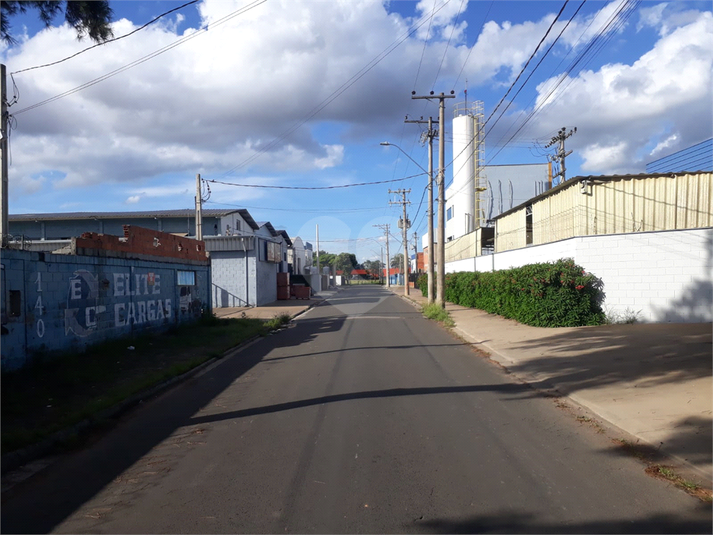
482, 24
265, 186
336, 93
445, 51
108, 40
301, 210
425, 42
144, 59
617, 20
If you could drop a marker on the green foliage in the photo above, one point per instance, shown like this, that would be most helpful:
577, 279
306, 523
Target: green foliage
435, 312
277, 322
422, 284
90, 18
397, 260
552, 294
345, 262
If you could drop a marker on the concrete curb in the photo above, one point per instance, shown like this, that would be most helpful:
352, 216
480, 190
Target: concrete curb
551, 387
18, 458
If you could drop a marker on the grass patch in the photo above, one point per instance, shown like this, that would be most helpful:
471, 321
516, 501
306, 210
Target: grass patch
52, 394
669, 474
277, 322
435, 312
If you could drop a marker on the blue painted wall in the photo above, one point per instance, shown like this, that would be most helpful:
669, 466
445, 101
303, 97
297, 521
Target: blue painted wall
55, 303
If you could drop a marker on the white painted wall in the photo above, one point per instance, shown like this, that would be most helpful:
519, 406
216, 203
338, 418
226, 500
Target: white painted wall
661, 276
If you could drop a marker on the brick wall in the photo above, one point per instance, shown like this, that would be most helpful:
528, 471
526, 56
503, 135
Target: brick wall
142, 241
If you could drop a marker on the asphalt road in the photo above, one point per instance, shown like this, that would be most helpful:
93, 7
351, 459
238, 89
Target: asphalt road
362, 417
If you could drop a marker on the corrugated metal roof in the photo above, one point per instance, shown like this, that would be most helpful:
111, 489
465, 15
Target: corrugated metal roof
187, 212
593, 178
248, 218
269, 226
286, 236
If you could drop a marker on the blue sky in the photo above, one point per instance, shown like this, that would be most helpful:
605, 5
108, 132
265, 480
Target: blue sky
300, 93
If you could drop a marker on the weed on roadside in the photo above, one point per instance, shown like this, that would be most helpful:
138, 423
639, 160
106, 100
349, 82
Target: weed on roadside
57, 393
277, 322
669, 474
434, 312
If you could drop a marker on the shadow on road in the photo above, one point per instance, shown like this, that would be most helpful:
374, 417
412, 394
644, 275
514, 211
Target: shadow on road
41, 503
513, 522
391, 392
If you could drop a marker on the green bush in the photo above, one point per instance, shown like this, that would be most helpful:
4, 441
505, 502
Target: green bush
422, 284
552, 294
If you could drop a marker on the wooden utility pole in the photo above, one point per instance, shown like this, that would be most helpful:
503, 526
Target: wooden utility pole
431, 133
404, 225
4, 219
440, 279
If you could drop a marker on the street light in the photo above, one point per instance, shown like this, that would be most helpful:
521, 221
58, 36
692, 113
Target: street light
387, 144
430, 267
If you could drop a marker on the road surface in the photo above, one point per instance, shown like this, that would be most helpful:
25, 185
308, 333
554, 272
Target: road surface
362, 417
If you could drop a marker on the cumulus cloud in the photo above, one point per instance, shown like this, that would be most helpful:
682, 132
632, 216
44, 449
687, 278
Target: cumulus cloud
664, 99
133, 199
246, 96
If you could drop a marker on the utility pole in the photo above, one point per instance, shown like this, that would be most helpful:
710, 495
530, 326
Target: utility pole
199, 208
385, 228
4, 220
440, 279
415, 250
404, 225
431, 133
560, 155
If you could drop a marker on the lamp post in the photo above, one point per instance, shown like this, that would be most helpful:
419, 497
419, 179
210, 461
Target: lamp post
429, 210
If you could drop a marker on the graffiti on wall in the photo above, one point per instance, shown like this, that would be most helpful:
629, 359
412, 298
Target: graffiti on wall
142, 311
80, 316
83, 313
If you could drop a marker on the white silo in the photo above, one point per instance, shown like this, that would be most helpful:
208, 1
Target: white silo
461, 197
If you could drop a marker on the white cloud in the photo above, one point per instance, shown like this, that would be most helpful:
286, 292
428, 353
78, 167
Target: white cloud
133, 199
620, 109
666, 17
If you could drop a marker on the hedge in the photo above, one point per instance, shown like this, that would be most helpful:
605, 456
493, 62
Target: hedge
552, 294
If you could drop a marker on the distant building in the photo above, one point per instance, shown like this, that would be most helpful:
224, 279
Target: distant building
64, 226
698, 157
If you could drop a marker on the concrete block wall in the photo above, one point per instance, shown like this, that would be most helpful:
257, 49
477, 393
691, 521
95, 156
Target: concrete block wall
71, 302
230, 285
662, 276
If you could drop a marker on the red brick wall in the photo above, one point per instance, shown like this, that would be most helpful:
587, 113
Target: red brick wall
145, 241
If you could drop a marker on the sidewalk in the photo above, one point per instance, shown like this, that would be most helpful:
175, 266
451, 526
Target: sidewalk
653, 381
291, 307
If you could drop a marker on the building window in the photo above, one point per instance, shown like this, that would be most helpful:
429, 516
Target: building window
449, 214
15, 304
186, 278
528, 225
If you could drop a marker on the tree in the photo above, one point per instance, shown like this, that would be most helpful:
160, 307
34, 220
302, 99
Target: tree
372, 267
397, 260
345, 262
92, 18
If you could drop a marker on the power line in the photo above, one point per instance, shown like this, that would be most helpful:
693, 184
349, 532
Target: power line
301, 210
445, 51
108, 40
425, 42
143, 59
265, 186
615, 19
527, 63
336, 93
482, 24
